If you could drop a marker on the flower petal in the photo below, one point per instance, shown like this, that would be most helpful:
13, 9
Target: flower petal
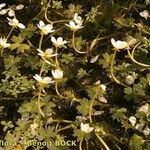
41, 23
19, 7
53, 39
11, 13
2, 5
49, 27
132, 120
59, 40
37, 77
48, 80
39, 50
3, 11
20, 25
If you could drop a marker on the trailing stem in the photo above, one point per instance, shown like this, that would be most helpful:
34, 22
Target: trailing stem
112, 70
102, 142
41, 39
80, 144
48, 20
91, 106
131, 55
73, 44
39, 102
40, 87
56, 59
64, 128
56, 89
10, 33
42, 68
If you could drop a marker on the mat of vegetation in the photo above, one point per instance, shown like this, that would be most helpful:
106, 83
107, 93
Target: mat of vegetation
75, 75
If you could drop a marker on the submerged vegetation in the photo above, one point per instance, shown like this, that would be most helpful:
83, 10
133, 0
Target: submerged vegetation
75, 75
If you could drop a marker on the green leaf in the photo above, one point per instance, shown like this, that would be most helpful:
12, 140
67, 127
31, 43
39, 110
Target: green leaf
73, 9
136, 142
91, 16
106, 61
22, 47
83, 108
79, 134
14, 46
67, 58
82, 73
128, 90
17, 39
28, 31
11, 61
57, 4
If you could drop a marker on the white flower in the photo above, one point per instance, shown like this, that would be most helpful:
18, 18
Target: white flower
144, 108
57, 74
139, 127
144, 14
97, 113
86, 128
119, 44
11, 13
97, 82
3, 43
81, 118
132, 120
44, 80
103, 87
129, 80
94, 59
33, 128
73, 26
45, 28
3, 11
58, 42
77, 19
11, 10
146, 131
47, 54
2, 5
19, 7
15, 23
102, 99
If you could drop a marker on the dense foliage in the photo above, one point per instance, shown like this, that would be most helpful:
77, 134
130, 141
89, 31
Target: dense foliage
75, 74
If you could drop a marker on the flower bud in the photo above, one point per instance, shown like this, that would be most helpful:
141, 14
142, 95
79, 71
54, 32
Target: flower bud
129, 80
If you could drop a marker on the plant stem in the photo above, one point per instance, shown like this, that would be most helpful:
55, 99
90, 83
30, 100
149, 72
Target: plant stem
48, 20
87, 144
131, 55
41, 39
45, 14
102, 142
64, 128
80, 144
10, 33
2, 52
56, 89
39, 103
56, 59
42, 68
40, 90
64, 121
35, 16
73, 44
91, 106
112, 70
